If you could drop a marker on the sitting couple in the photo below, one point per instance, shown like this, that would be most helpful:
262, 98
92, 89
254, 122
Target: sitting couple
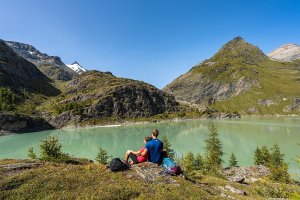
152, 150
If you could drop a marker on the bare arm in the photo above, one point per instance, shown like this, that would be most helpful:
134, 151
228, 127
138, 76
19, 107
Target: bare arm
144, 152
136, 152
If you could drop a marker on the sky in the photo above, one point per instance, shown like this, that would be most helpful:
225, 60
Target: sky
150, 40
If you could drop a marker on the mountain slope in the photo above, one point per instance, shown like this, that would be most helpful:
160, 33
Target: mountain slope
19, 74
97, 95
75, 66
51, 66
287, 52
240, 77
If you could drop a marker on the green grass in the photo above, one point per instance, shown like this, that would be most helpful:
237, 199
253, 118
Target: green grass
93, 181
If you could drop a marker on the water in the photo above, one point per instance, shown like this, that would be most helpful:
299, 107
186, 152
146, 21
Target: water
240, 136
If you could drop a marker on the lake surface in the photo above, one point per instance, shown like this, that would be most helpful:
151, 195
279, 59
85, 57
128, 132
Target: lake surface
240, 136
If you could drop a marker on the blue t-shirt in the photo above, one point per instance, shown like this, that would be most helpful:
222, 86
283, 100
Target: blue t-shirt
154, 148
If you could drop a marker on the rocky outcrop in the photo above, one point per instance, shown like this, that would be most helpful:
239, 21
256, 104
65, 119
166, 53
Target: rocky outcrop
18, 74
150, 172
17, 123
51, 66
293, 107
246, 174
287, 52
102, 95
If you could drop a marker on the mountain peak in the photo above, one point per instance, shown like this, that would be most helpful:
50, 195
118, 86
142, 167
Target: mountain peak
287, 52
238, 48
75, 66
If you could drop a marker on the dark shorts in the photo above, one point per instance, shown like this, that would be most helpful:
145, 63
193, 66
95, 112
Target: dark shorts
133, 157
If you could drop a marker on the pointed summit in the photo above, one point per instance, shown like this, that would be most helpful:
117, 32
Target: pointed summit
76, 67
238, 48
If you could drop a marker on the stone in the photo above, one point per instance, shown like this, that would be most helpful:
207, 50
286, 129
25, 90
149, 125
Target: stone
234, 190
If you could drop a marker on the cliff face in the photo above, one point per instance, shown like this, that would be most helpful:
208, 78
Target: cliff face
19, 74
17, 123
95, 95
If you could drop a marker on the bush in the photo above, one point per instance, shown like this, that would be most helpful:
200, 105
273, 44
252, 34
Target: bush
188, 162
262, 156
102, 156
31, 154
167, 147
51, 149
7, 99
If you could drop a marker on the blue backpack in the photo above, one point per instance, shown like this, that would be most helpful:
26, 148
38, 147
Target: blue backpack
171, 167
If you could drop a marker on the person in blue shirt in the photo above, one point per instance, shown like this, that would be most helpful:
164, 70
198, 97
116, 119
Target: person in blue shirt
154, 147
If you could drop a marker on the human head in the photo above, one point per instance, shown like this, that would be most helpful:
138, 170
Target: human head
147, 139
155, 133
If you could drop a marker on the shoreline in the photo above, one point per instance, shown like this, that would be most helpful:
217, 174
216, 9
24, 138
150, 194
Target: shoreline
150, 121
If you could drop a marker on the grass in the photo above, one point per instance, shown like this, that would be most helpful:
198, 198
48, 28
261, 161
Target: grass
93, 181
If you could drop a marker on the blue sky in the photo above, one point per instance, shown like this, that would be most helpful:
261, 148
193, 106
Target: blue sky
150, 40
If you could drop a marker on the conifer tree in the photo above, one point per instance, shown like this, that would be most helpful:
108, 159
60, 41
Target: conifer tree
188, 162
31, 154
214, 152
232, 161
102, 156
199, 162
167, 147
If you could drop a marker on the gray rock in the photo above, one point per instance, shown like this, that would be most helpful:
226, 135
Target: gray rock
234, 190
17, 123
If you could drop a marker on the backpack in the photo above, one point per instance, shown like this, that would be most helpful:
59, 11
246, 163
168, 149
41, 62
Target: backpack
171, 167
117, 164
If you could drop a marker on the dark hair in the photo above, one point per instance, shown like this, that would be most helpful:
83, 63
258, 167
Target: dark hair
147, 138
155, 132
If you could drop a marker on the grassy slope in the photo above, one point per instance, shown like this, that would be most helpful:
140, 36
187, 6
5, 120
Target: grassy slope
276, 81
93, 181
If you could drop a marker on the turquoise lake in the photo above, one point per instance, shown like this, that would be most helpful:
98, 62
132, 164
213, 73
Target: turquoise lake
240, 136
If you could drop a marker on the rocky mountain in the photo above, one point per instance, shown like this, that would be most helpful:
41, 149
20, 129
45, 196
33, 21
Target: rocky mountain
287, 52
239, 78
51, 66
18, 74
75, 66
98, 95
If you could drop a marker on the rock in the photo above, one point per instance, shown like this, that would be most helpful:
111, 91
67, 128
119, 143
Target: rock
234, 190
20, 166
250, 174
17, 123
293, 107
151, 172
266, 102
236, 179
221, 115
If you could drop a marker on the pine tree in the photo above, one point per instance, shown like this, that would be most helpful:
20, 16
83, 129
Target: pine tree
276, 156
102, 156
257, 157
232, 161
262, 156
199, 162
214, 152
51, 149
167, 147
31, 154
188, 162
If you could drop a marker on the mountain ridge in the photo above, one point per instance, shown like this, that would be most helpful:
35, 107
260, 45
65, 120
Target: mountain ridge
286, 53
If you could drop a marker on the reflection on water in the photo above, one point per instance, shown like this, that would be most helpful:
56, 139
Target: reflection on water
240, 136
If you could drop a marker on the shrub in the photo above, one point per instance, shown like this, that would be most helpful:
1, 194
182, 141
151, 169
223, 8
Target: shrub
7, 99
31, 154
51, 149
167, 147
262, 156
198, 162
102, 156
